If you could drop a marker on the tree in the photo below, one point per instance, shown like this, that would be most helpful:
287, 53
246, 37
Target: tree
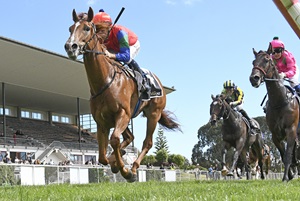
177, 159
161, 141
161, 156
148, 159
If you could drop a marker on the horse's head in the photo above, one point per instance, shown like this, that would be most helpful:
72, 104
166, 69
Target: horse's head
216, 108
263, 68
81, 33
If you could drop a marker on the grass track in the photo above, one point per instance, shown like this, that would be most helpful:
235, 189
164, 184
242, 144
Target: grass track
155, 191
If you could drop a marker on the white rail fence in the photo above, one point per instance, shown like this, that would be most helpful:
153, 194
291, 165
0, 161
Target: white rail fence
16, 174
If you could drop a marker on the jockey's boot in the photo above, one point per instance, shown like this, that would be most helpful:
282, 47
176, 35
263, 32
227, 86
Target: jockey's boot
297, 89
146, 89
244, 113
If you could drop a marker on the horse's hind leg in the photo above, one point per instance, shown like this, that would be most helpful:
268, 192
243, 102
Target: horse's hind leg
147, 144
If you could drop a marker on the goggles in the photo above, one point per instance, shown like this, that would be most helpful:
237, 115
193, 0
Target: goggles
277, 50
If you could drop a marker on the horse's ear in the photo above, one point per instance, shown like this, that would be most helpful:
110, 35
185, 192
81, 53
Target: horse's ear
254, 52
269, 51
90, 14
75, 17
212, 97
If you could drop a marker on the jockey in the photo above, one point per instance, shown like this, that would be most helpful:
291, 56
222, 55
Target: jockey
235, 98
122, 45
285, 63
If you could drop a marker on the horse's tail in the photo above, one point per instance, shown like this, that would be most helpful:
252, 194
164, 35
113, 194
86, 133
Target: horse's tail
167, 121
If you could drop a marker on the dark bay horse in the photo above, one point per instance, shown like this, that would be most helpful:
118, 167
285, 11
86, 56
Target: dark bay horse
235, 133
114, 98
282, 113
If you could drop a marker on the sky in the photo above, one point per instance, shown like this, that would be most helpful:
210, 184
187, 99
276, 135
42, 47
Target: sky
193, 45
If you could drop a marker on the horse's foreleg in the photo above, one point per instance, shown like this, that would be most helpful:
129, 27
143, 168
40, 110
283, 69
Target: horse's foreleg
224, 170
234, 162
281, 148
102, 137
122, 121
288, 173
127, 139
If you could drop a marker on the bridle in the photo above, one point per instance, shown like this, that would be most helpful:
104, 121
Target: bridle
222, 112
266, 72
85, 51
264, 78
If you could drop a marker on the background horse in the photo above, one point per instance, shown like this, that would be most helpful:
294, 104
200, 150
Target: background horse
114, 97
235, 134
253, 162
282, 113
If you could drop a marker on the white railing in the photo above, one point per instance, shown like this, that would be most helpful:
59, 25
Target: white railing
23, 174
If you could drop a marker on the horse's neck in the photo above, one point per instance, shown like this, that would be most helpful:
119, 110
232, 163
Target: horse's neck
230, 115
97, 67
276, 91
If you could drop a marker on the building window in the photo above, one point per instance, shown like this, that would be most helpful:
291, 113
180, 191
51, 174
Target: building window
25, 114
76, 159
65, 119
7, 111
36, 115
55, 118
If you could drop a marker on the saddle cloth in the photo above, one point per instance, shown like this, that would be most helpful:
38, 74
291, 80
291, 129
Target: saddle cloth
251, 131
156, 89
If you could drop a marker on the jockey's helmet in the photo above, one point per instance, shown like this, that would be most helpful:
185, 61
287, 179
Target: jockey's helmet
276, 43
102, 17
228, 84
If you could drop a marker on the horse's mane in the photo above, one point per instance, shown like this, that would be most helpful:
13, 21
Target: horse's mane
262, 52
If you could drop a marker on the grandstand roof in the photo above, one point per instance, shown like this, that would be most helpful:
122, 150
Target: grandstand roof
40, 79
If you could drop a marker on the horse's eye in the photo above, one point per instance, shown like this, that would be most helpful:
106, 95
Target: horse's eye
267, 59
86, 28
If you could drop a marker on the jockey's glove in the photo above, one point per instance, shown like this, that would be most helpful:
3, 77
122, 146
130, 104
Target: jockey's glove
282, 75
233, 104
109, 55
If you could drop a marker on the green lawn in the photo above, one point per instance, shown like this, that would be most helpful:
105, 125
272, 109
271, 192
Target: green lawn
241, 190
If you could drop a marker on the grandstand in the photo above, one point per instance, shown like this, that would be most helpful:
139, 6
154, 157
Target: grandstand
45, 111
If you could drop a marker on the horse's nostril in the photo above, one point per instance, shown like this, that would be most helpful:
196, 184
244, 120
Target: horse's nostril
74, 46
256, 78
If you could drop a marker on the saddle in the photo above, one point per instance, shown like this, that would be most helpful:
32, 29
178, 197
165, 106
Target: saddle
294, 92
156, 89
251, 131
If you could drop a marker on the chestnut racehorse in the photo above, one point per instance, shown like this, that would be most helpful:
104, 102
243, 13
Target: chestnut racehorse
114, 98
253, 161
235, 133
282, 114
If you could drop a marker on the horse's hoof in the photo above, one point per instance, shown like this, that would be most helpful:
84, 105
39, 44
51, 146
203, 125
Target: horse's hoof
230, 173
114, 169
224, 172
131, 177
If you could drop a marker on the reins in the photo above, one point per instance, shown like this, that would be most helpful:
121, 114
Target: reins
222, 113
272, 80
85, 51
